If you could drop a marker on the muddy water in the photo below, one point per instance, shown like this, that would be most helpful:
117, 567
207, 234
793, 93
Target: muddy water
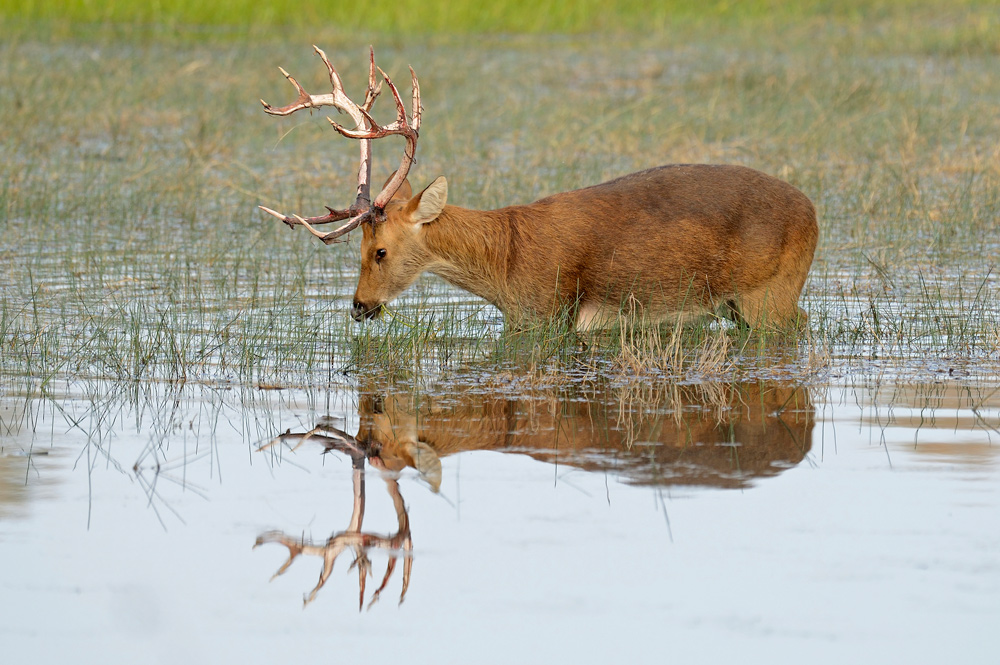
686, 523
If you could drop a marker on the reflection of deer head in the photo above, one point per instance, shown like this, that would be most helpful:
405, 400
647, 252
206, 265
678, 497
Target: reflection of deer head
352, 537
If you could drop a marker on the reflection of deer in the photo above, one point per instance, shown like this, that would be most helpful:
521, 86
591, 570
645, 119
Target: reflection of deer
352, 537
709, 434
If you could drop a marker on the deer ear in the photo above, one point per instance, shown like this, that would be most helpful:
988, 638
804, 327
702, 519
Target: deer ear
404, 192
428, 204
426, 462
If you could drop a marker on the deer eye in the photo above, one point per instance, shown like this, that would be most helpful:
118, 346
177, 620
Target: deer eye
379, 254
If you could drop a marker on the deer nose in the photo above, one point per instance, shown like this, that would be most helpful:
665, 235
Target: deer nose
361, 311
357, 311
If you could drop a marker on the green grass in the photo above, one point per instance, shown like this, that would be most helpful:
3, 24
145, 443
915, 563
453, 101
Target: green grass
943, 24
461, 17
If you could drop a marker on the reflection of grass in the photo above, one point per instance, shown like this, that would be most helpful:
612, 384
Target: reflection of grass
131, 248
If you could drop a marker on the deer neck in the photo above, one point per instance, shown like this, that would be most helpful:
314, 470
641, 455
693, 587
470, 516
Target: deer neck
471, 249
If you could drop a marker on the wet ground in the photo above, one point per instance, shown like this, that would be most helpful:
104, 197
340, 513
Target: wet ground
694, 524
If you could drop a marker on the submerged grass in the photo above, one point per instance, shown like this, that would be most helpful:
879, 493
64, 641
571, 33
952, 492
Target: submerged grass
131, 171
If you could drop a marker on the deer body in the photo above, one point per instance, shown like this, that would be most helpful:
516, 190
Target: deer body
667, 243
673, 241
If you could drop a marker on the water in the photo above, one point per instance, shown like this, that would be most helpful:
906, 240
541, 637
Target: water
694, 523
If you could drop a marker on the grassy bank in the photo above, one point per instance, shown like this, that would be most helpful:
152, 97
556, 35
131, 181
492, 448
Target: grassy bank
957, 25
464, 16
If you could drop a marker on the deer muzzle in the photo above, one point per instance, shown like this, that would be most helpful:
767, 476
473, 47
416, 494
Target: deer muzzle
360, 311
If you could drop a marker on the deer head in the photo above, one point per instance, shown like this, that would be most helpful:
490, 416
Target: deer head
393, 254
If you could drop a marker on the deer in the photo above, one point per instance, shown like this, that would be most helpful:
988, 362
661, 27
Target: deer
674, 243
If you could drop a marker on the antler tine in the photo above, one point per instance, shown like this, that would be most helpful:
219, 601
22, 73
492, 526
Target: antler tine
389, 568
402, 126
416, 109
332, 236
293, 221
334, 548
304, 98
282, 438
374, 86
295, 548
335, 82
407, 569
337, 97
410, 132
364, 566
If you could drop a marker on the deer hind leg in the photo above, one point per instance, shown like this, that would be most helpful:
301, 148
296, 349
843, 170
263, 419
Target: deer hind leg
772, 306
591, 317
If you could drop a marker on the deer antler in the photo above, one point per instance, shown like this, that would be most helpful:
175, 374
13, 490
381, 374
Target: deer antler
398, 544
366, 130
403, 127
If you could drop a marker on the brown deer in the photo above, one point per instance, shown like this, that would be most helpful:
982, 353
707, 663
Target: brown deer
663, 244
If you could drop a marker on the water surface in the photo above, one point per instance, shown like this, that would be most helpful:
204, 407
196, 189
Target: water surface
693, 522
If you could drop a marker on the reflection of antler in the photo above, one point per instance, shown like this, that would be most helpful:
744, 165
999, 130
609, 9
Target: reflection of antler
353, 537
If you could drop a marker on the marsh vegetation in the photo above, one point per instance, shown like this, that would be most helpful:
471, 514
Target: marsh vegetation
133, 250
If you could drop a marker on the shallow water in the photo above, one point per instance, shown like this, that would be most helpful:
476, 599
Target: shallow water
693, 523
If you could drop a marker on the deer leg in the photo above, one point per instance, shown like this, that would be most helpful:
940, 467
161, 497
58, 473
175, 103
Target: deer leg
770, 307
731, 310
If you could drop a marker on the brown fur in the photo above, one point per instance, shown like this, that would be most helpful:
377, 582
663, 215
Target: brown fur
770, 424
667, 242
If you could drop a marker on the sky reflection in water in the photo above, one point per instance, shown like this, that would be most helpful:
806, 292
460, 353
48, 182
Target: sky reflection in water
696, 522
